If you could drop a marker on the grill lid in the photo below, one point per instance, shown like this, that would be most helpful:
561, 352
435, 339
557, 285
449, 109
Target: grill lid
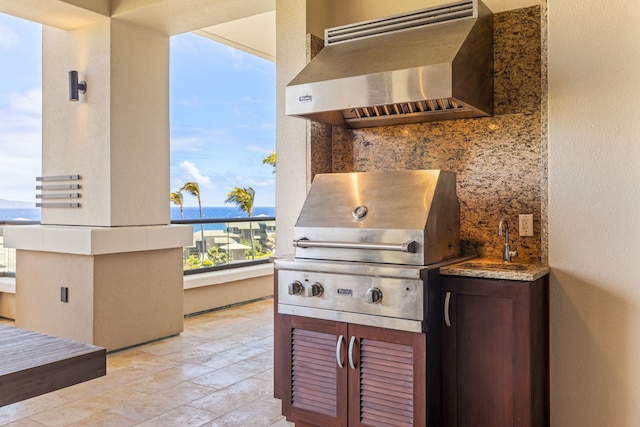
401, 217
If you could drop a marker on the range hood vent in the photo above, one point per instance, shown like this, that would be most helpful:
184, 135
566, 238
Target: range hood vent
426, 65
391, 24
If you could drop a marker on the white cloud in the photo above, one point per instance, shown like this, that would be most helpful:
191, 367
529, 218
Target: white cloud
190, 101
259, 149
232, 52
252, 181
182, 43
188, 144
29, 102
8, 38
194, 140
20, 145
238, 59
194, 173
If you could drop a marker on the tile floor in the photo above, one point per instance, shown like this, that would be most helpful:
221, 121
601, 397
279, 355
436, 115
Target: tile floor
218, 372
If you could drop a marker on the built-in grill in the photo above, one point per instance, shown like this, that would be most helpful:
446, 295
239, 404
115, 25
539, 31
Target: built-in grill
367, 246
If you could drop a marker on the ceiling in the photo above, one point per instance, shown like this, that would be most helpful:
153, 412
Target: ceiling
248, 25
242, 34
502, 5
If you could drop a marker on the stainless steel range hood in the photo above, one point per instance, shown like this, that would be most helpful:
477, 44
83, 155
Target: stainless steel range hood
432, 64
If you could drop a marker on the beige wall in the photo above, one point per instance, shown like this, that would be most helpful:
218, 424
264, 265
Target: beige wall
116, 137
38, 305
115, 300
594, 195
203, 298
291, 132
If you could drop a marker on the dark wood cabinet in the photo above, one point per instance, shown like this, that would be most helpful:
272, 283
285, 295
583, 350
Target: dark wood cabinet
338, 374
495, 352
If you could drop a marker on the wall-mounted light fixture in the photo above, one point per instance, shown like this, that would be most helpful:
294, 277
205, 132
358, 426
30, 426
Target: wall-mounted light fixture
75, 86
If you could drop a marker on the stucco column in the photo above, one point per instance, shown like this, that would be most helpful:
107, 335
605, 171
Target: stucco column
116, 253
116, 137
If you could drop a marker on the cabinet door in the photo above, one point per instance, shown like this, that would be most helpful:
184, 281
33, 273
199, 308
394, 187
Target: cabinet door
388, 385
315, 384
493, 353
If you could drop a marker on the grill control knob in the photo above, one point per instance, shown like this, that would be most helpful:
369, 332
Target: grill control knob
295, 288
314, 290
374, 295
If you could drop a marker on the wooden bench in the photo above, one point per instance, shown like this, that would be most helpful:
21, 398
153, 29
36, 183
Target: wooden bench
32, 364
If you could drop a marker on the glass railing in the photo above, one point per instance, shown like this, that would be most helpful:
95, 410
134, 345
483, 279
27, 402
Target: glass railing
228, 243
8, 255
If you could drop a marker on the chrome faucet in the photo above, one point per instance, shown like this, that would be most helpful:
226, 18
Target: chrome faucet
507, 253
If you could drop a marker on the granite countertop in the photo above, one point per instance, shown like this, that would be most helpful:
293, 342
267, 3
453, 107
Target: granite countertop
496, 269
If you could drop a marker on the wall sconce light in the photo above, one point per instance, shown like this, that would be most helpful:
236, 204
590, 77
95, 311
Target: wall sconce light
75, 86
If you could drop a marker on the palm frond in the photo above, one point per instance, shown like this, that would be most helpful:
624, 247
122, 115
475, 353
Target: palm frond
242, 198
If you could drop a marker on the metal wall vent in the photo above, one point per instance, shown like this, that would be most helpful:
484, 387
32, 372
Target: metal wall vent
432, 16
405, 108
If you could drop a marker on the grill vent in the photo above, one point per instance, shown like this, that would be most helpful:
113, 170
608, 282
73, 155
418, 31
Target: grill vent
418, 19
313, 373
404, 108
386, 384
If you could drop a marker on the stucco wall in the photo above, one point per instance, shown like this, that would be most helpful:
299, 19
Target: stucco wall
291, 132
114, 301
594, 203
118, 132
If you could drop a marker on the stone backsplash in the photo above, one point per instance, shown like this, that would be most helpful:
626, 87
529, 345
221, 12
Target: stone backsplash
498, 160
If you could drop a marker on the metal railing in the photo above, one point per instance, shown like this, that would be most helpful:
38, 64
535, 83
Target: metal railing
228, 243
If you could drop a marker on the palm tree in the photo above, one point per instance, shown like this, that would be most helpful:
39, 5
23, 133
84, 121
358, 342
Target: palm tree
243, 199
270, 160
176, 198
194, 189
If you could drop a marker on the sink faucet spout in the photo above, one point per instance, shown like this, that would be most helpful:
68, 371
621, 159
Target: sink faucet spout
503, 230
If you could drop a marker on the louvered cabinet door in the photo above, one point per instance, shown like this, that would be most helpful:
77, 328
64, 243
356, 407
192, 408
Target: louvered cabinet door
317, 385
388, 385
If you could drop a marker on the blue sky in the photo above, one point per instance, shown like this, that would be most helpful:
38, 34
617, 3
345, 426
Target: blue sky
222, 116
20, 108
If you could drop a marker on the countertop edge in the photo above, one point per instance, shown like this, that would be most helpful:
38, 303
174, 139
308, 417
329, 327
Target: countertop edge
531, 273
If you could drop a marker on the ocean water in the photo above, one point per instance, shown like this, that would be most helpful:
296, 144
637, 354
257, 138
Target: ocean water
220, 212
29, 214
33, 214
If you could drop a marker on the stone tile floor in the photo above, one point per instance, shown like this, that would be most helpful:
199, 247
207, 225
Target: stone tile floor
218, 372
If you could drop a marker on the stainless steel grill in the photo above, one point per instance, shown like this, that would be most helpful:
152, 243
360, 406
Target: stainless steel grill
367, 245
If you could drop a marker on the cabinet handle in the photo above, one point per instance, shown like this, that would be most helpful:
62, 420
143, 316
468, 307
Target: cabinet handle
351, 343
338, 346
447, 301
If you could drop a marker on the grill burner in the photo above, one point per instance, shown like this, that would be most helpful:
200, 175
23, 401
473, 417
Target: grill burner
367, 246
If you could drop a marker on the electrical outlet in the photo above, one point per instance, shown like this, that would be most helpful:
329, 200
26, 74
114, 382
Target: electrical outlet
526, 224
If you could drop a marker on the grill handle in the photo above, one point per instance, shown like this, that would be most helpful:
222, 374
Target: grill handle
408, 246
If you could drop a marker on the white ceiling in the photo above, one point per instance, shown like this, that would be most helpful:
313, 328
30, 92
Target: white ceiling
502, 5
256, 34
248, 25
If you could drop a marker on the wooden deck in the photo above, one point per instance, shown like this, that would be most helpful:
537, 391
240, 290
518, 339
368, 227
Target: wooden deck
32, 364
